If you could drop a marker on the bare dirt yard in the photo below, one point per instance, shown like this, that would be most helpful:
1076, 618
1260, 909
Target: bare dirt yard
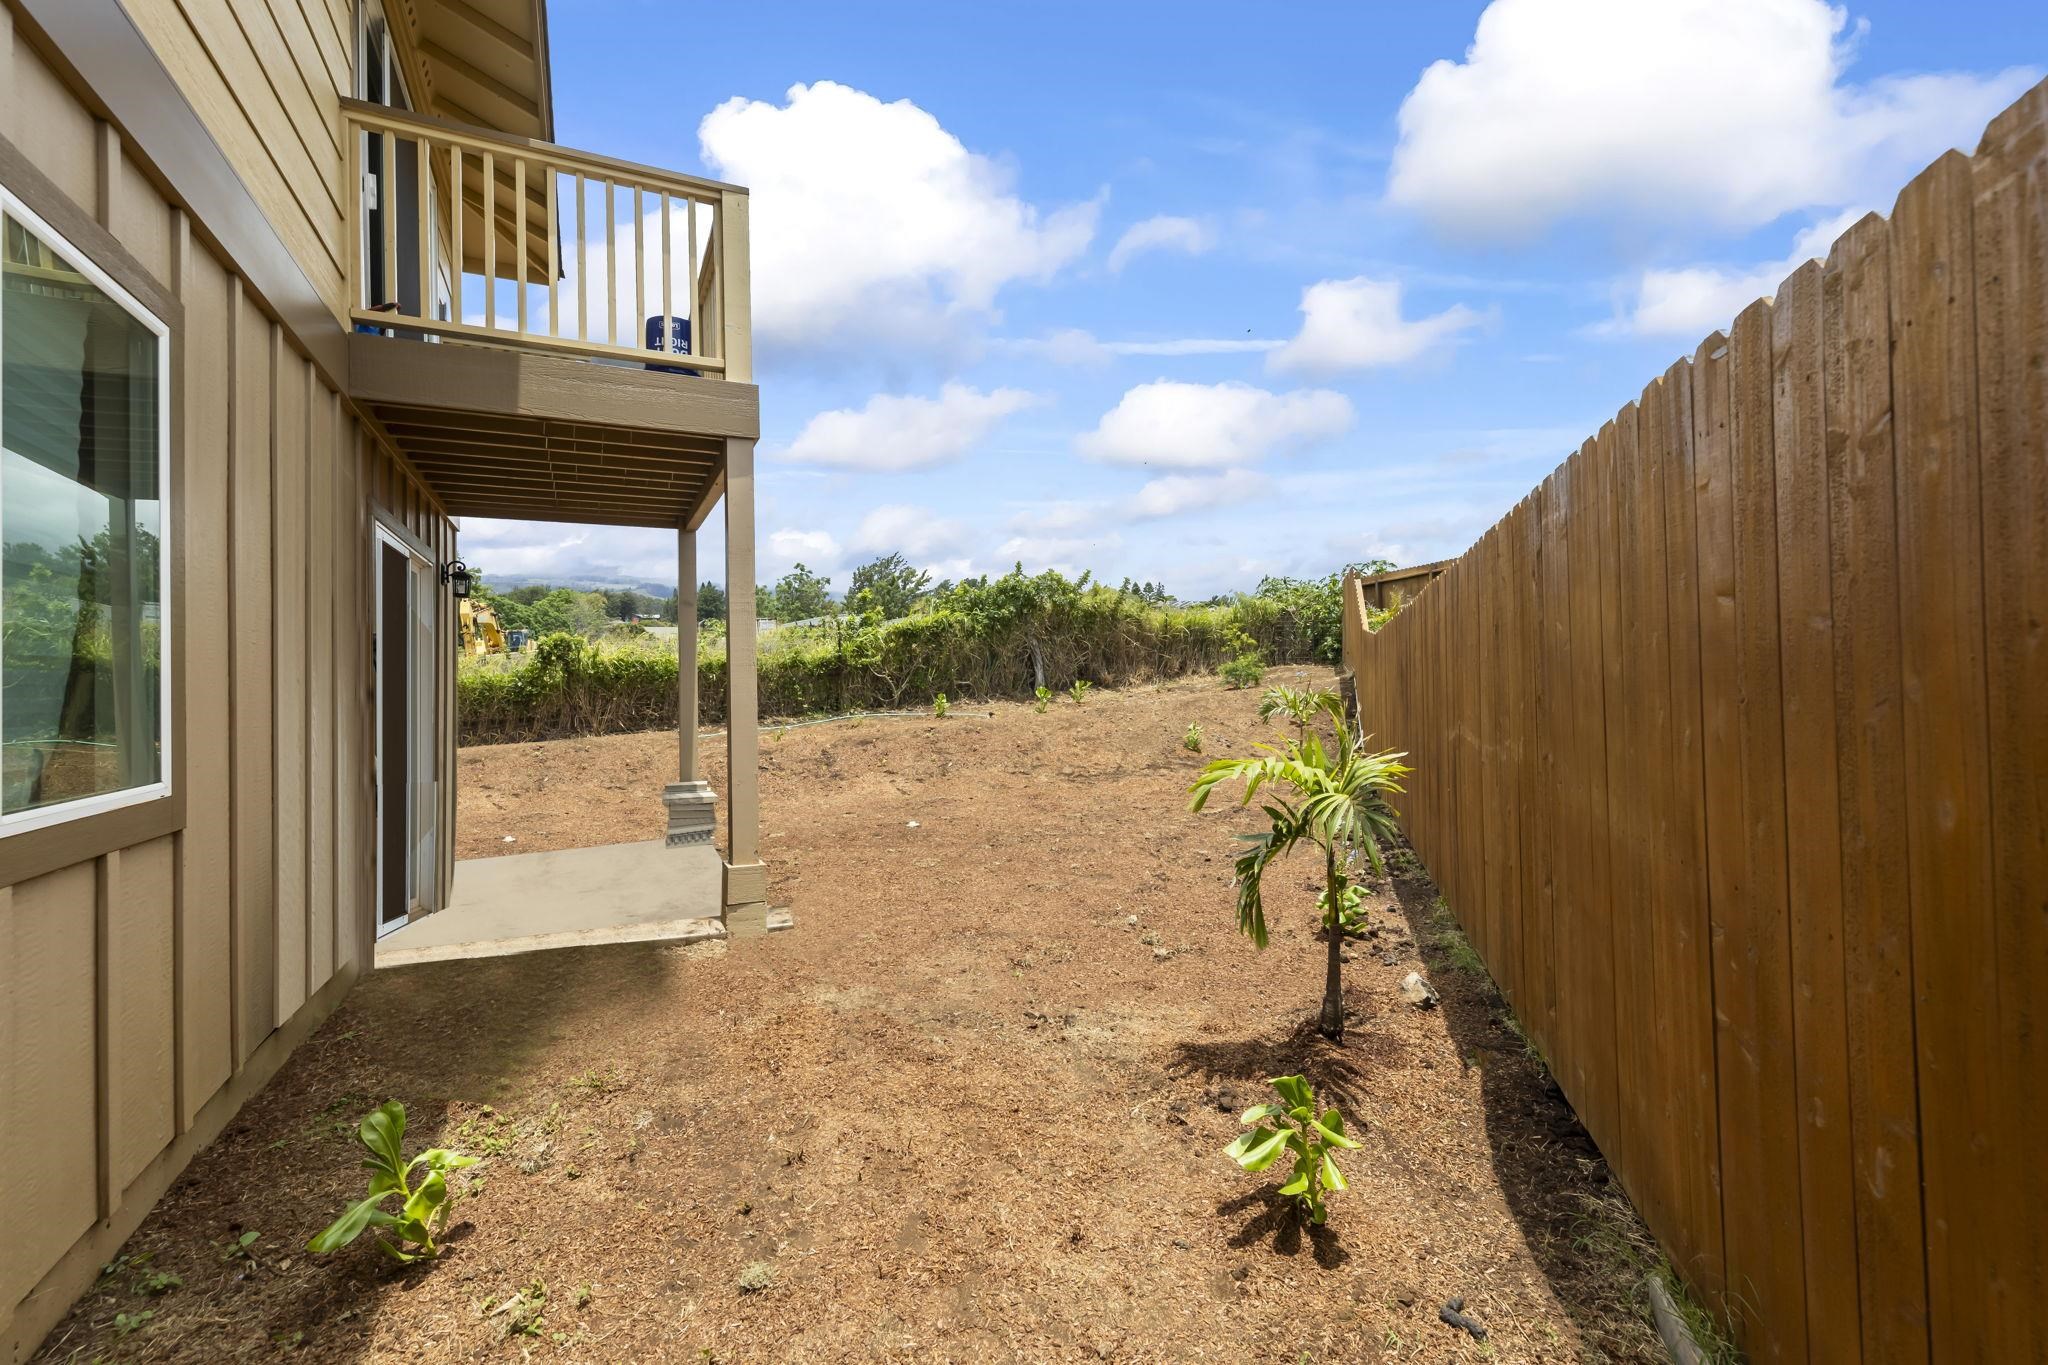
971, 1109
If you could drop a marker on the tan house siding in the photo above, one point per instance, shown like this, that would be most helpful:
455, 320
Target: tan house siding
146, 990
266, 78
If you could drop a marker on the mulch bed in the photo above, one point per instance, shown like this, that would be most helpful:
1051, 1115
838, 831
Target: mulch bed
967, 1111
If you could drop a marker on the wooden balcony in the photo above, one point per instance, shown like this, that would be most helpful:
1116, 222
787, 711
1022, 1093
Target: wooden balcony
507, 298
530, 245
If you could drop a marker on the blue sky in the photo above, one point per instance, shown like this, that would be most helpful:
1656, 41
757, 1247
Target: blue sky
1162, 292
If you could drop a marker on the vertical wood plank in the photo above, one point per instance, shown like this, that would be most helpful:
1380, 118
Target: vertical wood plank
456, 213
1592, 909
1685, 979
205, 1025
322, 607
1863, 570
490, 232
1755, 950
1812, 821
1639, 1138
1947, 789
287, 593
1646, 625
141, 1022
254, 739
2009, 228
47, 1047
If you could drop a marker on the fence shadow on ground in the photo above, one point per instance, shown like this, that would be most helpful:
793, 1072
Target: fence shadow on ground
1549, 1169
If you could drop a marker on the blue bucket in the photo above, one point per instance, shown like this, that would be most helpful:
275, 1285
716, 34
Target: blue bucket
677, 342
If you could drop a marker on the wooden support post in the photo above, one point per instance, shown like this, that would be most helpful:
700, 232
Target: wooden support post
746, 880
691, 804
686, 655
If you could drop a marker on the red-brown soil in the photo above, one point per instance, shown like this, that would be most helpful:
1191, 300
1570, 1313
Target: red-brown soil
971, 1109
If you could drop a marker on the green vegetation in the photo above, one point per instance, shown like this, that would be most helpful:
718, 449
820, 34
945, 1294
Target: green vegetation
1078, 690
1301, 706
1293, 1126
1243, 670
1192, 740
1339, 806
422, 1207
1044, 698
888, 586
939, 707
985, 637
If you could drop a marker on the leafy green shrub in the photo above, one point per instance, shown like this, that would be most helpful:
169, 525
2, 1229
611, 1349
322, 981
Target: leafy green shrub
1079, 690
422, 1207
1044, 695
1192, 740
939, 707
986, 637
1243, 671
1293, 1126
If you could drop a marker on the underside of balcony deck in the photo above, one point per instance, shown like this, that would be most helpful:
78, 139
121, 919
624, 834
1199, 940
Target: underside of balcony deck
505, 432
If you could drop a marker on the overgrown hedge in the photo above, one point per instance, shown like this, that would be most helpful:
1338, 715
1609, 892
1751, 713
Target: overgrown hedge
982, 639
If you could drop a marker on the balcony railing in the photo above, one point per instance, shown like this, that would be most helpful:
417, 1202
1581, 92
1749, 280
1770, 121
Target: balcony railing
462, 233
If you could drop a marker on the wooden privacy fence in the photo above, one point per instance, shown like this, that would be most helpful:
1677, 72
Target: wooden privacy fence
1731, 757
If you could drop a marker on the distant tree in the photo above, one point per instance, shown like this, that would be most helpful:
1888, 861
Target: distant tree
565, 610
1368, 567
1152, 594
798, 595
888, 585
710, 602
620, 604
529, 594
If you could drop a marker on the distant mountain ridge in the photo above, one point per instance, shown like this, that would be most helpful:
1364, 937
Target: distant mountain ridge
505, 582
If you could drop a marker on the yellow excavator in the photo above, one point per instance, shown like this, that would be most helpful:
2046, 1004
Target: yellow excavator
481, 633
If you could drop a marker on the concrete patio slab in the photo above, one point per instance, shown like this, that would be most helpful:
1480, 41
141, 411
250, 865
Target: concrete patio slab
524, 902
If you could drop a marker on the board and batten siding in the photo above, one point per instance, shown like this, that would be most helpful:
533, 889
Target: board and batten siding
147, 991
266, 78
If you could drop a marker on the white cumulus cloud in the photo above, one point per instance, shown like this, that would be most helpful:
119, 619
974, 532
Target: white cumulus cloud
817, 549
1356, 324
898, 432
1695, 300
1189, 236
1728, 112
870, 220
916, 532
1212, 426
1175, 494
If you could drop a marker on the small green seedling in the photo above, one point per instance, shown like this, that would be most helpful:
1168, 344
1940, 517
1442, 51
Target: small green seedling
238, 1250
1044, 699
939, 707
422, 1207
1192, 740
127, 1324
1079, 690
156, 1283
1293, 1127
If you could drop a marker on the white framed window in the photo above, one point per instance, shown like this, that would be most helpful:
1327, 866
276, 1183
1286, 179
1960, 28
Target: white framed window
85, 534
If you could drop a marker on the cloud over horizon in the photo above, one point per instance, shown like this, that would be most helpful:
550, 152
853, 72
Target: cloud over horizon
1728, 113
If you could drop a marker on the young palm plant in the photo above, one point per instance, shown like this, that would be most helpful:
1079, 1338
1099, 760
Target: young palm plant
1300, 706
1335, 802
